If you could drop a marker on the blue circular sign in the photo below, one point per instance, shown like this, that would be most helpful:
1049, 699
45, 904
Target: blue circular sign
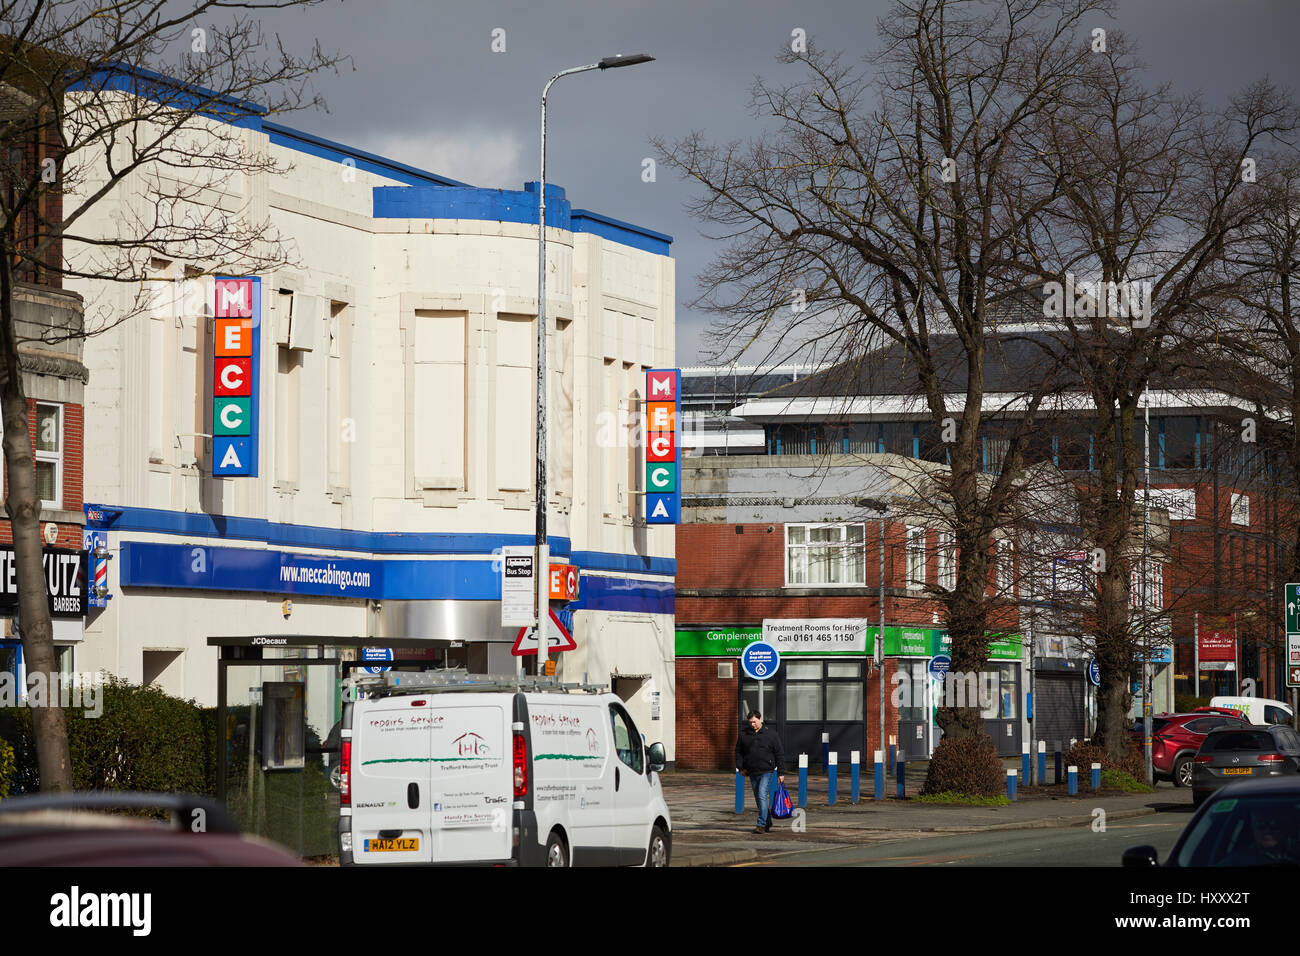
760, 660
376, 654
939, 665
1094, 673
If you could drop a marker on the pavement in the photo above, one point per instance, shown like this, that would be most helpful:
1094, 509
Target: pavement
708, 832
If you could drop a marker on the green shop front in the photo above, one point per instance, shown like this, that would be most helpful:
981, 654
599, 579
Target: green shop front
830, 687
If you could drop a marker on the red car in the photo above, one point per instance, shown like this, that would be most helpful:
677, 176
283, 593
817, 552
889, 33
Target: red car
1175, 739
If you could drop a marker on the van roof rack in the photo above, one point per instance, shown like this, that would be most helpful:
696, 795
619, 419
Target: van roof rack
457, 678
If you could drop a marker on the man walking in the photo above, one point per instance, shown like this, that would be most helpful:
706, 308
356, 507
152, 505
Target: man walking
758, 754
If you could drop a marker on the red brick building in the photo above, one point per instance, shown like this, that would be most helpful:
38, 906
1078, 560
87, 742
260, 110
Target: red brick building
811, 564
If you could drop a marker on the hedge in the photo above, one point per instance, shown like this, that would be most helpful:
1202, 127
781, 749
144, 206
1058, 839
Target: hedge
143, 740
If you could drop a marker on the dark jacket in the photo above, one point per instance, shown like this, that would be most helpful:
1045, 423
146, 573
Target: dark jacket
758, 752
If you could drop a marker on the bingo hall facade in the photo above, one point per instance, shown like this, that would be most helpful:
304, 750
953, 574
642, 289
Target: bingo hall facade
344, 448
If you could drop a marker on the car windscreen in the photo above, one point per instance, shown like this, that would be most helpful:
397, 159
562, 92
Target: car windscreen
1256, 740
1275, 715
1245, 831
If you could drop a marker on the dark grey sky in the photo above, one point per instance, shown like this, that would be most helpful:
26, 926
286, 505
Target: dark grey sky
428, 90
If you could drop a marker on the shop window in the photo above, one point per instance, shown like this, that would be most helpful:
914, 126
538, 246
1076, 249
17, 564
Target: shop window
1003, 703
803, 700
833, 554
913, 679
844, 700
803, 670
49, 454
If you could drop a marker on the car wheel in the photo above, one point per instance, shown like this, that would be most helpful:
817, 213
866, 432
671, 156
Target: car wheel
557, 854
1183, 771
657, 854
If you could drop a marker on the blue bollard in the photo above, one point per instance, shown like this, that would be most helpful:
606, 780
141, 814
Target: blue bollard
1024, 761
1042, 763
879, 792
1057, 779
855, 775
832, 776
893, 753
1074, 780
803, 780
740, 792
1011, 785
1096, 776
826, 750
900, 769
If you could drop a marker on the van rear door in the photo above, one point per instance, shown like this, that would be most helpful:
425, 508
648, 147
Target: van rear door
471, 777
390, 780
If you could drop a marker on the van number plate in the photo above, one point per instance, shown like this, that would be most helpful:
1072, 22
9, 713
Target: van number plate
401, 845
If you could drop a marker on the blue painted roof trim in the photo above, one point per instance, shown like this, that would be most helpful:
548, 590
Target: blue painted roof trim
167, 91
625, 233
338, 152
494, 205
158, 521
503, 205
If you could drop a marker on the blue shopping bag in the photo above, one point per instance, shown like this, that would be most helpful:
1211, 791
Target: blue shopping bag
782, 805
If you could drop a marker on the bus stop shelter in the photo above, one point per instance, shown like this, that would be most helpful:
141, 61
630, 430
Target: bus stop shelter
279, 703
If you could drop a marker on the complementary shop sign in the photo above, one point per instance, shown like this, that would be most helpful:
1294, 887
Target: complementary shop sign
663, 447
820, 637
235, 368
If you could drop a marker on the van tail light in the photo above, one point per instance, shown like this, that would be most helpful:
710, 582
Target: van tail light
1204, 758
1271, 758
521, 767
345, 774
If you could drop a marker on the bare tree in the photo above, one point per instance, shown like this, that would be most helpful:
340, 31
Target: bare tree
144, 96
904, 222
1156, 188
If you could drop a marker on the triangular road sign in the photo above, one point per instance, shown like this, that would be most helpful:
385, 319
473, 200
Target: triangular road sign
558, 639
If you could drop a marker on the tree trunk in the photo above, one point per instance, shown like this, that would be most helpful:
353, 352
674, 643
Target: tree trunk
49, 728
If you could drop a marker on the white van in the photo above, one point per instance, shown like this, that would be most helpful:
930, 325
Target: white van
442, 767
1258, 710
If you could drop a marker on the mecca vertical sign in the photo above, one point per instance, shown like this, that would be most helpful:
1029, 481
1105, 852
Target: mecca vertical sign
236, 351
663, 449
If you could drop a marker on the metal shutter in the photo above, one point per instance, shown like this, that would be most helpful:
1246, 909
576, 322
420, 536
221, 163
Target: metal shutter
1058, 708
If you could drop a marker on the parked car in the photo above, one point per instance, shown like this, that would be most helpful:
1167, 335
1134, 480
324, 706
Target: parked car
1175, 739
1224, 711
1249, 823
77, 829
443, 767
1232, 753
1258, 710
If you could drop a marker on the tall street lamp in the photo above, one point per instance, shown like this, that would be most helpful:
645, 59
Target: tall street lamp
543, 549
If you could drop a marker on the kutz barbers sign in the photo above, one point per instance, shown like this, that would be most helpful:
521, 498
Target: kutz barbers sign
663, 451
65, 582
236, 362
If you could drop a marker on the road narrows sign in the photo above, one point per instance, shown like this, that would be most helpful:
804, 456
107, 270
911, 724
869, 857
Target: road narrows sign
558, 638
